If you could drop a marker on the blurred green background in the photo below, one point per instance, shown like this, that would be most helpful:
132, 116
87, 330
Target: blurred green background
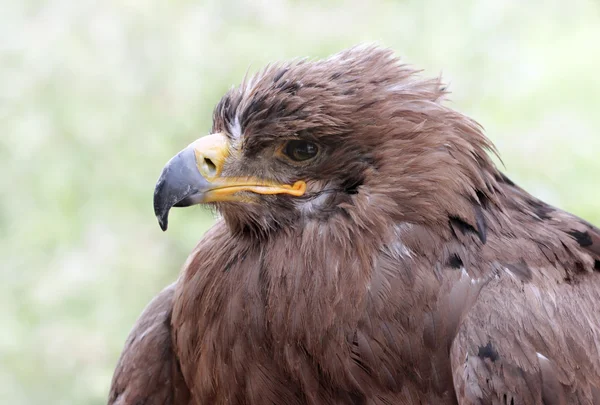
95, 96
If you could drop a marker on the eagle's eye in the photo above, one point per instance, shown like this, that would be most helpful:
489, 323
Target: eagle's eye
299, 150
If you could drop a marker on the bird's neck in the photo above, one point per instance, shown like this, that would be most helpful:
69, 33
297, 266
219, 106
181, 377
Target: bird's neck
298, 281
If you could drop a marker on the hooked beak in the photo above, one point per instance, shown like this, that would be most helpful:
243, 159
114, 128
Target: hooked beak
193, 176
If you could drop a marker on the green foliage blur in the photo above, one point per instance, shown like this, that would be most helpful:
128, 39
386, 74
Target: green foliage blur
95, 96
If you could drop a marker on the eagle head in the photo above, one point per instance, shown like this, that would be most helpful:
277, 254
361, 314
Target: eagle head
358, 135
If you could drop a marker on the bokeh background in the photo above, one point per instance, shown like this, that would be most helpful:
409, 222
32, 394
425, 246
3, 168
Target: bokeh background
95, 96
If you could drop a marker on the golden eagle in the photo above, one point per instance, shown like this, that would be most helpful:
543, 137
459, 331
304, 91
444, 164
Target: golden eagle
369, 252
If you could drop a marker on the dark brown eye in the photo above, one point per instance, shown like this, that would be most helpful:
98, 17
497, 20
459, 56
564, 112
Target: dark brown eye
299, 150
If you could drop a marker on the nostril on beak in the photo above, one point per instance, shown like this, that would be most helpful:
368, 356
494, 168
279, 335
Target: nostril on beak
209, 167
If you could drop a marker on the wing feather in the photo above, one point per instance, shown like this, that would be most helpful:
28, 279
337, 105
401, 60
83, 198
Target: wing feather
148, 371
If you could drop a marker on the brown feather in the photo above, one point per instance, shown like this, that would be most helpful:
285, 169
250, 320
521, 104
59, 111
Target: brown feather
412, 271
148, 371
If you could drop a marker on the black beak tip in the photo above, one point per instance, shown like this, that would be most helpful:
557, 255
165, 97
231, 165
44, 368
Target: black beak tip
163, 221
161, 208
